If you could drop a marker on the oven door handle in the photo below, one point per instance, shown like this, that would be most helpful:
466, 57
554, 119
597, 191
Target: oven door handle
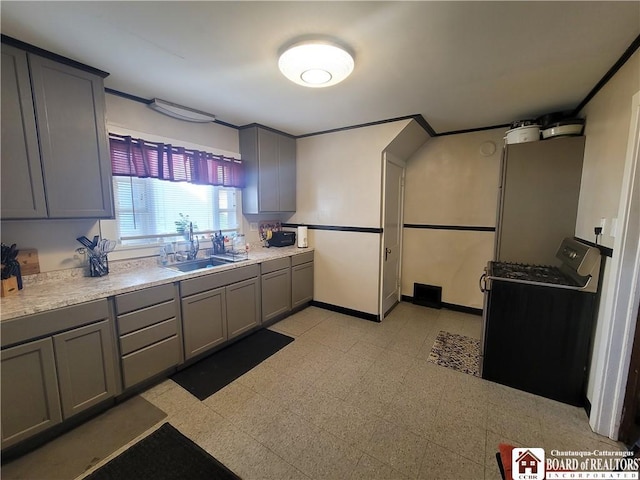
483, 282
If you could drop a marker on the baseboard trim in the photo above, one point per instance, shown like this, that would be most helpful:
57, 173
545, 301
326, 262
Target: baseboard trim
376, 318
462, 308
450, 306
346, 311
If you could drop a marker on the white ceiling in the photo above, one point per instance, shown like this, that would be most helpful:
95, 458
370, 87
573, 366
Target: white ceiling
461, 65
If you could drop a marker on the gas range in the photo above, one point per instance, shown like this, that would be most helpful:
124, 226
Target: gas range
530, 273
538, 322
578, 270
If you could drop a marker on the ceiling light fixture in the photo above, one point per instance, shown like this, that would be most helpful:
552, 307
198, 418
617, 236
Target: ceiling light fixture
316, 63
181, 113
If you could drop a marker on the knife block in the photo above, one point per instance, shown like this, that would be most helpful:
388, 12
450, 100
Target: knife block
9, 286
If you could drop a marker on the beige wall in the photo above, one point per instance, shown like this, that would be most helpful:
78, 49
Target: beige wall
607, 127
346, 269
339, 176
451, 180
137, 116
608, 117
339, 182
55, 239
453, 260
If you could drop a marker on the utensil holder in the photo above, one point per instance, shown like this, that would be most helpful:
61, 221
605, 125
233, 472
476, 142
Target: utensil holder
98, 265
9, 286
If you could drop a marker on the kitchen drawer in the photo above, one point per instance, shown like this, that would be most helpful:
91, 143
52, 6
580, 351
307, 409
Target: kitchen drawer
273, 265
128, 302
301, 258
143, 318
147, 336
144, 364
216, 280
22, 329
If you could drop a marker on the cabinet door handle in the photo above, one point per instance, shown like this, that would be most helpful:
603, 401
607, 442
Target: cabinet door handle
387, 251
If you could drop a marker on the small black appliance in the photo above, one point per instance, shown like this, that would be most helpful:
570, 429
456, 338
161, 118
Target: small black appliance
282, 239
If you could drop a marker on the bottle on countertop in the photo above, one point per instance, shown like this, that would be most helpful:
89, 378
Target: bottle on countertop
163, 256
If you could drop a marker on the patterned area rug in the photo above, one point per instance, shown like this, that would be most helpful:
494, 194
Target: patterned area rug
457, 352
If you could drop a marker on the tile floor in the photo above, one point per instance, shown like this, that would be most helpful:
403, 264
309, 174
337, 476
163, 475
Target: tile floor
353, 399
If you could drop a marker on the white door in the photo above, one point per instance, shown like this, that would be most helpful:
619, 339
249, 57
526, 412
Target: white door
392, 232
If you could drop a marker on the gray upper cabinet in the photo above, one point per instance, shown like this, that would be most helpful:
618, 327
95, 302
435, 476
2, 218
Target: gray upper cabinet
55, 155
22, 184
70, 116
270, 171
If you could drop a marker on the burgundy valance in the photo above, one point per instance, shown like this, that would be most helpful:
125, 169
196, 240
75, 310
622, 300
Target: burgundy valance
134, 157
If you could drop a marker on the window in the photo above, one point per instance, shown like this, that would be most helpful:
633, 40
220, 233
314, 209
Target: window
147, 209
157, 184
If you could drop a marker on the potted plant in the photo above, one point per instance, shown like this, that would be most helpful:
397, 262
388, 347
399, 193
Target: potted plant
182, 224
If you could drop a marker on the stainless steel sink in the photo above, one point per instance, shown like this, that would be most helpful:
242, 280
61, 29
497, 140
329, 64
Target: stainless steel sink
192, 265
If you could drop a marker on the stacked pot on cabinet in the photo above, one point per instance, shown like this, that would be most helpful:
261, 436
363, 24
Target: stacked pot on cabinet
546, 126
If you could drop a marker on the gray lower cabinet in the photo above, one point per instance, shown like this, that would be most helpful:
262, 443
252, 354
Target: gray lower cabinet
243, 307
301, 279
149, 333
55, 153
219, 306
30, 397
85, 365
68, 369
276, 288
204, 317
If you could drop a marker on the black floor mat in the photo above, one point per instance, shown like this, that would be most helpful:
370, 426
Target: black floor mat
211, 374
166, 454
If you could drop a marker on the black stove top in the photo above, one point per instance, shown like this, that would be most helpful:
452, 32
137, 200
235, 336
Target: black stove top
530, 273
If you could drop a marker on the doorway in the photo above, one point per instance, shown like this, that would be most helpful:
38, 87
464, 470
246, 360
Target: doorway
391, 248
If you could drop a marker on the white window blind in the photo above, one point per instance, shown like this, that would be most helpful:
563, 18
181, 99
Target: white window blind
147, 208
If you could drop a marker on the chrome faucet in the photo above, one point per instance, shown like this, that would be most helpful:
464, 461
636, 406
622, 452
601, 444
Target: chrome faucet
194, 244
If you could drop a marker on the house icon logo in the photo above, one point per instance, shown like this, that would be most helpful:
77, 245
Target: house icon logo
527, 463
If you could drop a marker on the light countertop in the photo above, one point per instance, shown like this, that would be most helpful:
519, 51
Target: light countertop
64, 288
